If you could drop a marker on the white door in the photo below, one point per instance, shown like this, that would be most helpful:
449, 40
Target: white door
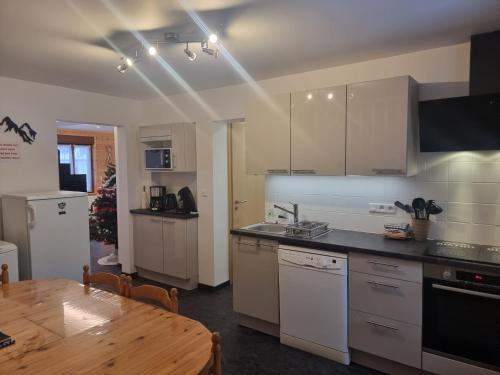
59, 238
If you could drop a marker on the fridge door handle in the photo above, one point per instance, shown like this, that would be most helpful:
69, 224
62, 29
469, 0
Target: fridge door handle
31, 216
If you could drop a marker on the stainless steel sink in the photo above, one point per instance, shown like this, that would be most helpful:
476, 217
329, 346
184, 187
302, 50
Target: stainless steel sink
267, 228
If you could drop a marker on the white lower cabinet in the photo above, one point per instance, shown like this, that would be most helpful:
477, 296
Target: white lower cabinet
385, 308
166, 246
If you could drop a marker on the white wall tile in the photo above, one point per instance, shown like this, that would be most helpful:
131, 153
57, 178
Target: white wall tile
459, 212
461, 171
484, 234
465, 184
486, 172
460, 192
485, 214
484, 193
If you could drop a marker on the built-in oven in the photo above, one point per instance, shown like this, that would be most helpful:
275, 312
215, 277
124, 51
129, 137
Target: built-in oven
462, 315
158, 158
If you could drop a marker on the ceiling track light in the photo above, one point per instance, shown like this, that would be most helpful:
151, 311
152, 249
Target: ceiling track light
190, 54
152, 48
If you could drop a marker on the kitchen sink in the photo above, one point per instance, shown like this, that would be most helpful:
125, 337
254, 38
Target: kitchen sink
267, 228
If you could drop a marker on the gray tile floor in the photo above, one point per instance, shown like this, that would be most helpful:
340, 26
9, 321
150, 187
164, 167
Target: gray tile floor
245, 352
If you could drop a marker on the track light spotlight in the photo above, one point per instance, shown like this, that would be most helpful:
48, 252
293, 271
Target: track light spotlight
152, 51
211, 52
129, 61
190, 54
213, 38
122, 68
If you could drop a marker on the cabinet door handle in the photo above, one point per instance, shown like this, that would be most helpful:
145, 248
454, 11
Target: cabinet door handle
382, 284
280, 171
371, 322
240, 202
304, 171
155, 220
387, 171
383, 264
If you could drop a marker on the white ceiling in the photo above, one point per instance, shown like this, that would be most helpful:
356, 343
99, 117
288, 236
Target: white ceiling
85, 127
63, 42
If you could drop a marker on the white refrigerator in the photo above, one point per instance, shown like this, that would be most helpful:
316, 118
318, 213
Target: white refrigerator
51, 232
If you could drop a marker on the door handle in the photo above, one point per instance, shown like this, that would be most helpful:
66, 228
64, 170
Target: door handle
303, 171
466, 291
240, 202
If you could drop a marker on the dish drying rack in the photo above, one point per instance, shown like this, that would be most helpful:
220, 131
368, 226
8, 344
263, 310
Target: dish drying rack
307, 229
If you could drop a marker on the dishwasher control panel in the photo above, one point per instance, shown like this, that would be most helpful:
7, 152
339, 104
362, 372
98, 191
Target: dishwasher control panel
308, 259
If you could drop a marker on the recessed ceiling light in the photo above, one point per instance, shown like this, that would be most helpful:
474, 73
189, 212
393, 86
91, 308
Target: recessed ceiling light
330, 96
213, 38
129, 61
309, 96
152, 51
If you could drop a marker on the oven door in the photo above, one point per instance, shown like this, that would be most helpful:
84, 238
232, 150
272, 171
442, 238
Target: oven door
462, 321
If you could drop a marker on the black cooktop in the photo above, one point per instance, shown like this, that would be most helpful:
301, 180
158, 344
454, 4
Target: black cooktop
465, 251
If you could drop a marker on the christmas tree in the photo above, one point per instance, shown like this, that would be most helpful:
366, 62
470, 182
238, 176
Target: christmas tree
103, 218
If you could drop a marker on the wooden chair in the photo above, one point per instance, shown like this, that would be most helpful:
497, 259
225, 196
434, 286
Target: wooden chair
105, 278
4, 276
216, 368
167, 300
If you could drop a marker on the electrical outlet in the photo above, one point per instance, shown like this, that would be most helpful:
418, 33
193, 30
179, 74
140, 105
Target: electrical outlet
382, 208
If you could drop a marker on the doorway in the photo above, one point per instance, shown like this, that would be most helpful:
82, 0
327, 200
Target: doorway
87, 163
246, 191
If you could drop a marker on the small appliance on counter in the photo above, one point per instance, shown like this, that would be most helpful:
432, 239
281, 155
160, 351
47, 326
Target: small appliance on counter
157, 198
171, 202
186, 200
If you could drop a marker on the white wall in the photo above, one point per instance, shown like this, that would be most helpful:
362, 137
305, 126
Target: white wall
40, 106
442, 72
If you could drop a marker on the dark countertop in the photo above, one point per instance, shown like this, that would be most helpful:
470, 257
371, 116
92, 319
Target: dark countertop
171, 214
369, 243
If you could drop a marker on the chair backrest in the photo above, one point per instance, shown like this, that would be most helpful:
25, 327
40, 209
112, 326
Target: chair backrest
5, 274
153, 293
103, 278
216, 368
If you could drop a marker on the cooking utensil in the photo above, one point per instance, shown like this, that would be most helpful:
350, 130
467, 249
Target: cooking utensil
405, 207
418, 205
435, 209
428, 206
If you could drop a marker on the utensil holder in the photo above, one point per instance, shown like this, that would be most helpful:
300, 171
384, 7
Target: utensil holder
420, 229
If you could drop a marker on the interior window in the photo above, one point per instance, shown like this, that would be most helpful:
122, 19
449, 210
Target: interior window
79, 157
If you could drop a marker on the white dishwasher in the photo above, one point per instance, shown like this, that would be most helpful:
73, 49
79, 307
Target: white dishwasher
313, 301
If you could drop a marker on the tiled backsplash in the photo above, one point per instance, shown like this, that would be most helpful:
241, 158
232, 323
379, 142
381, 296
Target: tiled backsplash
465, 184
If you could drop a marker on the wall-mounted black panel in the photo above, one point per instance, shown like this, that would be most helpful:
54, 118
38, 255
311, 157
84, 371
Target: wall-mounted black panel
485, 63
468, 123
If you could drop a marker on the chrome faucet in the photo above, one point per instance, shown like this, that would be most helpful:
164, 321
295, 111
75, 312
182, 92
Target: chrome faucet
295, 211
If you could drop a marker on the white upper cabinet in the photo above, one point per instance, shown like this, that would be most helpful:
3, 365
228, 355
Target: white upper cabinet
268, 135
318, 132
382, 127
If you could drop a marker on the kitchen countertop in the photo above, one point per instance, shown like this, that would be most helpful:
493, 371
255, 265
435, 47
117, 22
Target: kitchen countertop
369, 243
174, 215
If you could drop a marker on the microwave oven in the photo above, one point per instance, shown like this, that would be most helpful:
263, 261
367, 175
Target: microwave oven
158, 158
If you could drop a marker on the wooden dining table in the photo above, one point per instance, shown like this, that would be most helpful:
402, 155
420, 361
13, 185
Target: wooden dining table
63, 327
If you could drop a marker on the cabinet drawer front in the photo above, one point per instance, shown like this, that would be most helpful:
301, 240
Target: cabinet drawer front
390, 298
384, 266
386, 338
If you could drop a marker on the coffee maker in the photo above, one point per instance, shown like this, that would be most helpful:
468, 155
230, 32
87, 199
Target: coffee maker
157, 198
